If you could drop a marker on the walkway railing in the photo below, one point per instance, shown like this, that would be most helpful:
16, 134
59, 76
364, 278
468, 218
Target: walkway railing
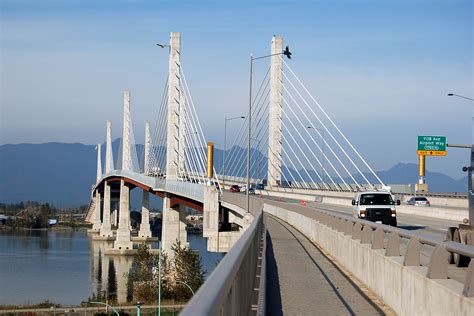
229, 290
375, 234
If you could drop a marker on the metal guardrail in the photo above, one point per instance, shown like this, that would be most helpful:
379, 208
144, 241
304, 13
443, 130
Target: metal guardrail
373, 233
229, 290
261, 309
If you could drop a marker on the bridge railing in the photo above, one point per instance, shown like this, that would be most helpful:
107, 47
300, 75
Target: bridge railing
386, 237
229, 290
191, 190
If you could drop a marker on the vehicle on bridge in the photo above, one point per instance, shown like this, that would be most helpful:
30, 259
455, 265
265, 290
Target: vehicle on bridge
418, 201
235, 188
260, 186
376, 206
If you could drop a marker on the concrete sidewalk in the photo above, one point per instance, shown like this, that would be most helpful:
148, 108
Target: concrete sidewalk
302, 281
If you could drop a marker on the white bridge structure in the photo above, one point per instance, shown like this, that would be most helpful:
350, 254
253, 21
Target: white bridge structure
296, 151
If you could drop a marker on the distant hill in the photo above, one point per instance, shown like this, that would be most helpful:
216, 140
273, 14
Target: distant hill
62, 174
403, 173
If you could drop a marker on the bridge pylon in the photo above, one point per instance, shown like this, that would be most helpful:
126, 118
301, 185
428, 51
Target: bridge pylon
126, 158
145, 231
275, 114
109, 161
175, 119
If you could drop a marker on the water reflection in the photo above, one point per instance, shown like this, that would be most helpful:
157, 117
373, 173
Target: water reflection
109, 273
68, 267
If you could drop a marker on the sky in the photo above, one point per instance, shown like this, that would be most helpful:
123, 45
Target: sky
381, 69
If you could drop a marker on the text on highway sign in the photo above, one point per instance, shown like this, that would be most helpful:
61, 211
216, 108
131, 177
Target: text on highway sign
432, 145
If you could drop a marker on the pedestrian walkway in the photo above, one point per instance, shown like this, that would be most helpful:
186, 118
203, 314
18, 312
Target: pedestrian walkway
303, 281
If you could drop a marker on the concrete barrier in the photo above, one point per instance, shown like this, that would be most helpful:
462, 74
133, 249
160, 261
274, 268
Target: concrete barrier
406, 289
435, 212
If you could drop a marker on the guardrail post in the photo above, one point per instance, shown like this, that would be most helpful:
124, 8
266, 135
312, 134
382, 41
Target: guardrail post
366, 235
332, 222
348, 227
438, 266
356, 231
393, 245
341, 224
469, 283
378, 238
325, 219
412, 254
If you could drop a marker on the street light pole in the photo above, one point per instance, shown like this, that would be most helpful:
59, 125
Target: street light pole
460, 96
287, 53
249, 135
185, 284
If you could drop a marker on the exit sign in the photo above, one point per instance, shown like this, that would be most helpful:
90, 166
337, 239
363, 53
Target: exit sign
432, 145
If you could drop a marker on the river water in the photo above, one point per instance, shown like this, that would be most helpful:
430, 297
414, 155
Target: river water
67, 267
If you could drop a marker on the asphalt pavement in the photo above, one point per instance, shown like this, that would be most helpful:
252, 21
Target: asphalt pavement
301, 280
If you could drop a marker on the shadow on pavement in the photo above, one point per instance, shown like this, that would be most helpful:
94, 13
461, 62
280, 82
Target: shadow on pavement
410, 227
273, 295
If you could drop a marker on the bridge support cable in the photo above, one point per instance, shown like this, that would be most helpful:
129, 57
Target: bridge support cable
323, 154
158, 152
314, 141
240, 140
193, 151
290, 173
259, 124
301, 178
307, 146
325, 141
259, 109
199, 135
333, 124
305, 127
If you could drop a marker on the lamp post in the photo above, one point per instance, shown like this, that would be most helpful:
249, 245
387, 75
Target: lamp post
100, 303
322, 150
225, 145
287, 53
185, 284
470, 178
460, 96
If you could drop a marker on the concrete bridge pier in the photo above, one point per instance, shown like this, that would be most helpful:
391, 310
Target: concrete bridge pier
123, 240
145, 231
173, 225
217, 241
96, 224
106, 229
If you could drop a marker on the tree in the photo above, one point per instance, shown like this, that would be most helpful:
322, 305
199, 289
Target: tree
187, 268
183, 266
142, 275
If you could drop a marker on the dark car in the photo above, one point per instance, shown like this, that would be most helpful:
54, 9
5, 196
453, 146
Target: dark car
252, 190
235, 188
259, 186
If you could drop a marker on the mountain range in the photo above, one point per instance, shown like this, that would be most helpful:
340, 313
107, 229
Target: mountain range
63, 173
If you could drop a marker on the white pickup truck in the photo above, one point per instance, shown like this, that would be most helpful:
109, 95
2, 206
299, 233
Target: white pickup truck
376, 206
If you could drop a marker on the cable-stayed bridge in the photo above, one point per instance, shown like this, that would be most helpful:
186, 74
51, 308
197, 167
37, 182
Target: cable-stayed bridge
294, 151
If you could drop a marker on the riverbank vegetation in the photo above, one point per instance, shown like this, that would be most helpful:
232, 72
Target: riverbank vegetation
181, 274
35, 215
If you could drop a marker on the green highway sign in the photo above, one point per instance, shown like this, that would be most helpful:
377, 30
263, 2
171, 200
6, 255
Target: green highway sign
432, 145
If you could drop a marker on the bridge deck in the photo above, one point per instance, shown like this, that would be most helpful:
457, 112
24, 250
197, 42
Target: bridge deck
301, 280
